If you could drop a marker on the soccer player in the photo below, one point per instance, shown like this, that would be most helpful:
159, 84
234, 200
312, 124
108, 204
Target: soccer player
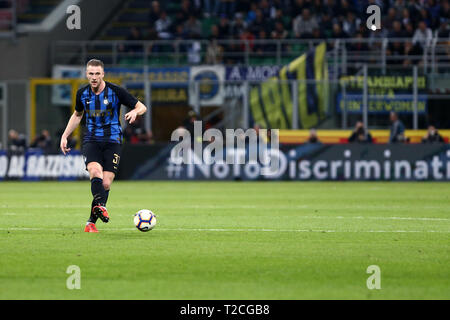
101, 149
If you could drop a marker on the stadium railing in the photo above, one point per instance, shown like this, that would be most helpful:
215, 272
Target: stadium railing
341, 53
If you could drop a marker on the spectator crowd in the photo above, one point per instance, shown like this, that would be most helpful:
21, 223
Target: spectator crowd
417, 20
396, 133
17, 142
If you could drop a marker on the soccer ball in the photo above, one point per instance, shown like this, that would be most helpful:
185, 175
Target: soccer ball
144, 220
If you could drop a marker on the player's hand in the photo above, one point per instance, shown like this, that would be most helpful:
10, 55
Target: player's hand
131, 116
63, 146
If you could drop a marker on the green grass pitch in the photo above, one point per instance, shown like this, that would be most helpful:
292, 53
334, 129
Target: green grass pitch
228, 240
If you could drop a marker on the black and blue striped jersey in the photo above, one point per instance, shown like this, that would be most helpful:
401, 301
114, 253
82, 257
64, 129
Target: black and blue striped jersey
103, 112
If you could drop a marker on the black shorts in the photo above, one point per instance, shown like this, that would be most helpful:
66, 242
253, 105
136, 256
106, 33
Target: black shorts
105, 153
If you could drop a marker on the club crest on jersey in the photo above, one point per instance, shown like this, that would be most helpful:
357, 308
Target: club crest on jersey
106, 101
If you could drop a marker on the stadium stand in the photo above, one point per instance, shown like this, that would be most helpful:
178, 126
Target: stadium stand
34, 11
300, 18
275, 32
269, 33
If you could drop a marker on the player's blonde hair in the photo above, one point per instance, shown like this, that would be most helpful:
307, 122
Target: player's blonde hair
95, 63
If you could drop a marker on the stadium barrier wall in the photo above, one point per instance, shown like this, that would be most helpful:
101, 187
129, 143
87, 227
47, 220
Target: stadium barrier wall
301, 162
307, 162
34, 165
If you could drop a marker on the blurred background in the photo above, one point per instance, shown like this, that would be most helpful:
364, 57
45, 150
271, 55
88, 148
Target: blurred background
311, 68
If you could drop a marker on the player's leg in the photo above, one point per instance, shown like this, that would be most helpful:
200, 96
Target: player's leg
111, 158
96, 175
108, 178
93, 157
99, 194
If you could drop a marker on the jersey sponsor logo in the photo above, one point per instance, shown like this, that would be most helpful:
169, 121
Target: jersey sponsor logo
98, 113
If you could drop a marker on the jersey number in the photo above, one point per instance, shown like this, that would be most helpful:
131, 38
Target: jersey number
116, 158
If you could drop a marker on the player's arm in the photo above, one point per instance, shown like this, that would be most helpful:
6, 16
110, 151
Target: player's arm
139, 110
73, 123
127, 99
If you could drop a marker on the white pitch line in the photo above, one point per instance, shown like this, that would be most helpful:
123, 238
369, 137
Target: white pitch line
376, 218
248, 207
362, 218
300, 230
236, 230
